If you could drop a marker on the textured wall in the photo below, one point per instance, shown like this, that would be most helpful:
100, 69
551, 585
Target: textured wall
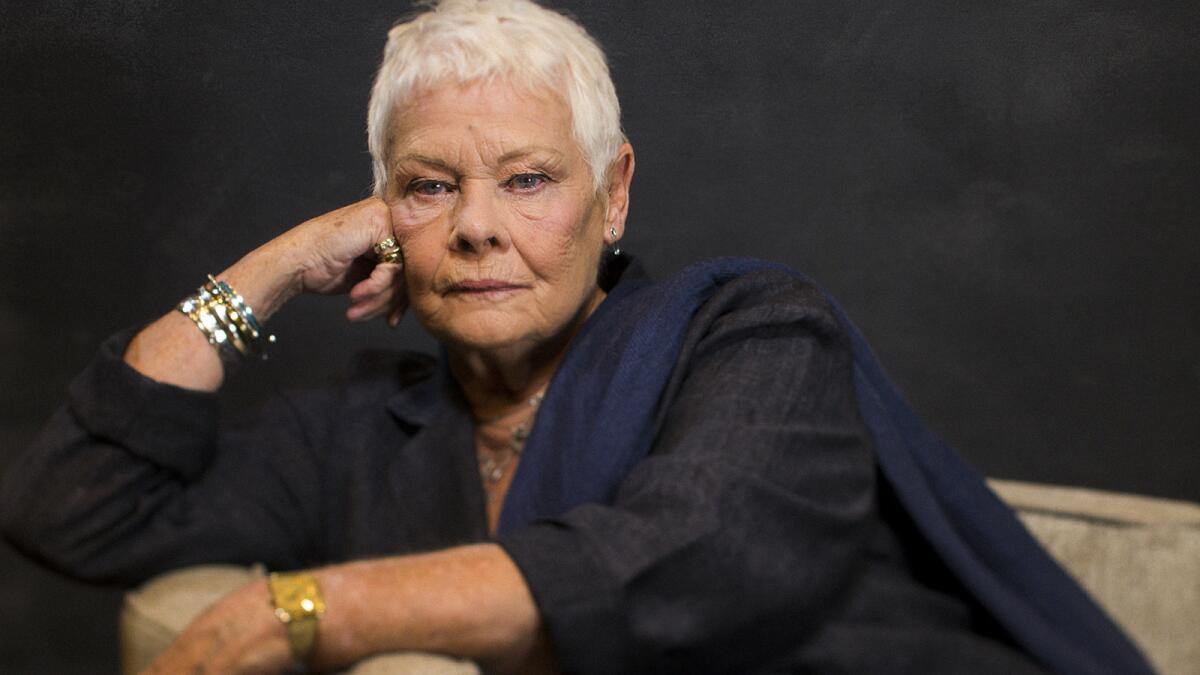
1003, 195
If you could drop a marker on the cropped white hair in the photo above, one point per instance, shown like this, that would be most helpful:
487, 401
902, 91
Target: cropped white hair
460, 41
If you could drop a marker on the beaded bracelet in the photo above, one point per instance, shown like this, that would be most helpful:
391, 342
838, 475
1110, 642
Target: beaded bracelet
226, 321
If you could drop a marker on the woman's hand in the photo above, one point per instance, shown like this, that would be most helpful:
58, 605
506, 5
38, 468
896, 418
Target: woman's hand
239, 634
333, 253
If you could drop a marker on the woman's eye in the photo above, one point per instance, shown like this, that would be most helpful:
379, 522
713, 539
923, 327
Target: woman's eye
526, 182
429, 188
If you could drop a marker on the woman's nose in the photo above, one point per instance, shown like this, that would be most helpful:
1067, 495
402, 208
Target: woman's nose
476, 226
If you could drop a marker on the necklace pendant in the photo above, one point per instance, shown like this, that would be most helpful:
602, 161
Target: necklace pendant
489, 469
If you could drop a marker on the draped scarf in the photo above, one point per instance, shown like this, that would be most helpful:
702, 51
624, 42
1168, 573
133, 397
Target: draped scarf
596, 423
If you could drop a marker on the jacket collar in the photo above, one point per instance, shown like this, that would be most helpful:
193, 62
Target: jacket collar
417, 404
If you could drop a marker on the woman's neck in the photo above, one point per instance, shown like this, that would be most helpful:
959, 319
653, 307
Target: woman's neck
496, 381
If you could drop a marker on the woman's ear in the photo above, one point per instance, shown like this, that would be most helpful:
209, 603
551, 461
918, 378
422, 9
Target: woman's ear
620, 174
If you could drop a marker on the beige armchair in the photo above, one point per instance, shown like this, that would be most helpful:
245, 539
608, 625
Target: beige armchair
1138, 556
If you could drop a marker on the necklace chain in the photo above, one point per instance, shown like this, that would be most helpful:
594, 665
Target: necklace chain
492, 469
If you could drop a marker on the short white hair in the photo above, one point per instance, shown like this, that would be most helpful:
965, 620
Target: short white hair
459, 41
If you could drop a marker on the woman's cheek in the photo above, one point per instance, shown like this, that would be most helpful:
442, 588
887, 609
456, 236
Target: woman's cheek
555, 218
532, 210
416, 230
408, 218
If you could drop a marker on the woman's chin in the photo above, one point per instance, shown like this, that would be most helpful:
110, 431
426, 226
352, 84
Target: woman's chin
499, 327
479, 333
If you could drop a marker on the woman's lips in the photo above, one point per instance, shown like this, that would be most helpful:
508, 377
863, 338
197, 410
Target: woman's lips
484, 288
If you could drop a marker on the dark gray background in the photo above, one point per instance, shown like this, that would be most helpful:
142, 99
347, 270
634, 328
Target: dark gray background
1004, 196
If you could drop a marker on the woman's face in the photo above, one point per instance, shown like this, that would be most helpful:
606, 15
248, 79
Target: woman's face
494, 208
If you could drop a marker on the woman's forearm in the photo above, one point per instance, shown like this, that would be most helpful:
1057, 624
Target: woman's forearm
470, 602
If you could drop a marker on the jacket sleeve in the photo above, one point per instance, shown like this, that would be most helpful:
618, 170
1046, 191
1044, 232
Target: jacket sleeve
131, 478
744, 525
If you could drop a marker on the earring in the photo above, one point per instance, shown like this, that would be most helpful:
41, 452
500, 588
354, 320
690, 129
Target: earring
613, 232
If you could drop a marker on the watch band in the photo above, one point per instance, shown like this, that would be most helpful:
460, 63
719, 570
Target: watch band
302, 634
299, 605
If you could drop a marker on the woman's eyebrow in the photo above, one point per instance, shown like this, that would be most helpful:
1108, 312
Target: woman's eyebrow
423, 159
521, 153
553, 155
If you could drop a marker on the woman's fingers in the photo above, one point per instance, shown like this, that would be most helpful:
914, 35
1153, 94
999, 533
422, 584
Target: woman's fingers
398, 308
381, 293
383, 278
238, 634
338, 245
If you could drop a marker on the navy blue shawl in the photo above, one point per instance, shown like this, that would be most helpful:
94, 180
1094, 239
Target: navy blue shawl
595, 423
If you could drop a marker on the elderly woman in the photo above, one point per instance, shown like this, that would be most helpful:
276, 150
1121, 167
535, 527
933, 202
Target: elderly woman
599, 474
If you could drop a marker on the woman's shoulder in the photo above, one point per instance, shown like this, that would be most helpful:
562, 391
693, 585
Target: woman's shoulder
755, 295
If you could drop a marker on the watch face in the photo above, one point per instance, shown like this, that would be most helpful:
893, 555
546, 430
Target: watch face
296, 597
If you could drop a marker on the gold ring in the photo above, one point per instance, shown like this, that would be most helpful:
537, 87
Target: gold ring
387, 251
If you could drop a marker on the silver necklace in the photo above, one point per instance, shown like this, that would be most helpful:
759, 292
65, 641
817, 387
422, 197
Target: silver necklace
492, 469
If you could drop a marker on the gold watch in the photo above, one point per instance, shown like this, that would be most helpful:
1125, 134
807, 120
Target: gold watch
299, 605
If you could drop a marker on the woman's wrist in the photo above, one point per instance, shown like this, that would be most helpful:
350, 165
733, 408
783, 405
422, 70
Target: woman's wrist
174, 351
266, 278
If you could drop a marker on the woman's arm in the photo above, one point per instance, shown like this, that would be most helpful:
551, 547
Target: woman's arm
470, 602
328, 254
131, 476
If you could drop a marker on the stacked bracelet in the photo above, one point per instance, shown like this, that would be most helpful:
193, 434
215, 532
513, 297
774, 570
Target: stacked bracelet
226, 321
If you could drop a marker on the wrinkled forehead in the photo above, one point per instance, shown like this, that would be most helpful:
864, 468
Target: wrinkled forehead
492, 116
